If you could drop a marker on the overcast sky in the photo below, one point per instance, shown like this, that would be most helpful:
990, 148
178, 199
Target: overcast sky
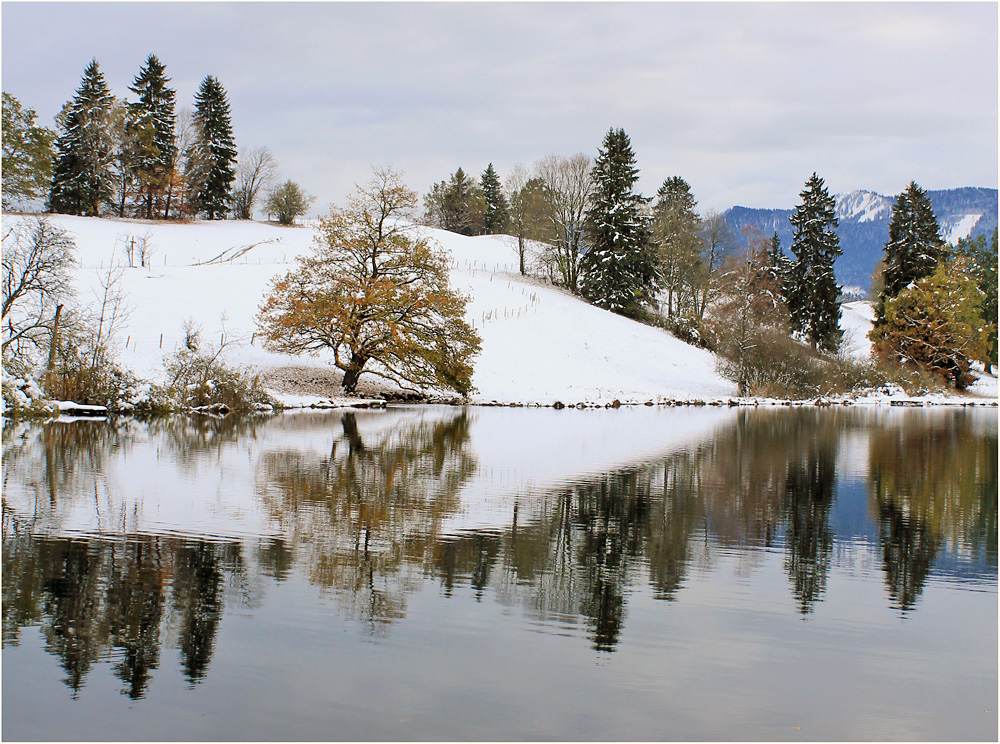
743, 100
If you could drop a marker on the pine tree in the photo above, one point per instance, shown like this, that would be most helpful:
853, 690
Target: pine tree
153, 121
914, 246
496, 216
82, 178
214, 159
456, 205
619, 271
812, 289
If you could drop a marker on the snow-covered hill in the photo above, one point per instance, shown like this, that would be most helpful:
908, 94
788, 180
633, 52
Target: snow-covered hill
540, 344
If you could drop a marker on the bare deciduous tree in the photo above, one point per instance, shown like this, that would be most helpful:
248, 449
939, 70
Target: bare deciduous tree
514, 185
718, 244
568, 187
38, 258
256, 172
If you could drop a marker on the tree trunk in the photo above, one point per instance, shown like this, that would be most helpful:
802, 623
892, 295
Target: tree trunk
353, 372
53, 345
170, 191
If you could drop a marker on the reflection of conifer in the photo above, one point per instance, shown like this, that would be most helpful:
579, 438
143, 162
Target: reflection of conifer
605, 608
198, 599
931, 484
76, 631
908, 550
807, 503
610, 515
135, 608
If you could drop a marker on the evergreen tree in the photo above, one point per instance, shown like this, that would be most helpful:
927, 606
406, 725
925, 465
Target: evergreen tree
812, 288
27, 154
914, 246
780, 266
980, 259
214, 162
153, 121
82, 178
936, 323
619, 271
457, 205
675, 233
496, 216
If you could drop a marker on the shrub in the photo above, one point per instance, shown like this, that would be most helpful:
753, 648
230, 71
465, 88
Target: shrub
197, 377
288, 201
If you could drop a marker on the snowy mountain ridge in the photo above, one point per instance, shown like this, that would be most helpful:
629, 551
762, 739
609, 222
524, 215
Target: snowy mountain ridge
863, 206
863, 227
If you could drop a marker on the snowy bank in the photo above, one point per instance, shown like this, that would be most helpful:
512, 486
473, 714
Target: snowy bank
540, 344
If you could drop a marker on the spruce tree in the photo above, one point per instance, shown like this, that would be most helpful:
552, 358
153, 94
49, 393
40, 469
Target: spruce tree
457, 205
812, 289
914, 246
152, 120
215, 150
619, 270
81, 178
496, 216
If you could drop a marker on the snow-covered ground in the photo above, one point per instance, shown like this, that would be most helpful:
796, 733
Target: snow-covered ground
540, 344
856, 320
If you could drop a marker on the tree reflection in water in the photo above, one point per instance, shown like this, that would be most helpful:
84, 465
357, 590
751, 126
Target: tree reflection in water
366, 519
931, 483
366, 523
102, 600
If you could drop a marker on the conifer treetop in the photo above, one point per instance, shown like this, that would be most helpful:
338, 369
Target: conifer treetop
812, 292
619, 271
915, 246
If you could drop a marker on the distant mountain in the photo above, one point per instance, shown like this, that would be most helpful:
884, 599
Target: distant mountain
864, 225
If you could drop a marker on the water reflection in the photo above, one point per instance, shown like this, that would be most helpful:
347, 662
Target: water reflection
930, 485
365, 519
116, 600
358, 505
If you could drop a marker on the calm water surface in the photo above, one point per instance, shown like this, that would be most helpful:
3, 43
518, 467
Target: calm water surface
440, 573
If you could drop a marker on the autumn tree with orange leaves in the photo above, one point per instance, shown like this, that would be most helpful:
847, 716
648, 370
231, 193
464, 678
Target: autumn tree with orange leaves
376, 293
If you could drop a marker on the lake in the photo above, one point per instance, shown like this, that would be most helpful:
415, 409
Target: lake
504, 574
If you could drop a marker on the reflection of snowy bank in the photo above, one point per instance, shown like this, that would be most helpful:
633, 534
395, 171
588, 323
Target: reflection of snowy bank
168, 478
470, 467
207, 477
525, 452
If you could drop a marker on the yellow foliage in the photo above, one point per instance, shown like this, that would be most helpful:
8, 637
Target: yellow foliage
376, 293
